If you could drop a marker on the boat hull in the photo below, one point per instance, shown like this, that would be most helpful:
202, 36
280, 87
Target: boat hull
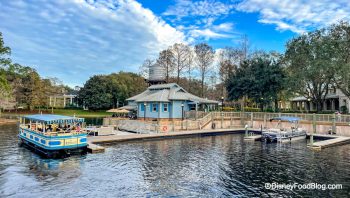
276, 137
51, 146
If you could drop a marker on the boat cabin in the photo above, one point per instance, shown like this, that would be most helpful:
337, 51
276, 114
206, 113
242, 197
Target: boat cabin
52, 134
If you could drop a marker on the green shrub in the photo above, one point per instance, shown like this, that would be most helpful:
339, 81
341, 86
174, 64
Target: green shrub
228, 109
251, 109
343, 109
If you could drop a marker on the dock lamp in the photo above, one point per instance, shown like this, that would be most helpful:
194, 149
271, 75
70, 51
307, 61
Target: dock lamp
182, 110
144, 115
222, 103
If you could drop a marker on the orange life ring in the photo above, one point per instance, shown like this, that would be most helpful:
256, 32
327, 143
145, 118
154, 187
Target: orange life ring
165, 128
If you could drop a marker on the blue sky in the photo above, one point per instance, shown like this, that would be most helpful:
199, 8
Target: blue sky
75, 39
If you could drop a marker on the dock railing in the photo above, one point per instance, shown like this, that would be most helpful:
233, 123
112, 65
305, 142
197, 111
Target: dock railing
223, 120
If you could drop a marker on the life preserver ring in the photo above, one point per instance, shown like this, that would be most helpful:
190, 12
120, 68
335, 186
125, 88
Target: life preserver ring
165, 128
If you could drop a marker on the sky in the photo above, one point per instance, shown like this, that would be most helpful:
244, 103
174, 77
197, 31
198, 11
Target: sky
73, 40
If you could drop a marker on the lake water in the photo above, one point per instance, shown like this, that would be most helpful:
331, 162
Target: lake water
212, 166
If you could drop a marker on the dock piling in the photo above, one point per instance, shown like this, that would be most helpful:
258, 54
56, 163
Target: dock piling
334, 128
313, 129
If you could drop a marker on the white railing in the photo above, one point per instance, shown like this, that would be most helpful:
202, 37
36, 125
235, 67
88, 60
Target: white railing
221, 119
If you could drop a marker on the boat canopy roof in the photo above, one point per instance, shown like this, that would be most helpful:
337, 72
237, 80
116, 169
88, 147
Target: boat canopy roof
286, 118
51, 118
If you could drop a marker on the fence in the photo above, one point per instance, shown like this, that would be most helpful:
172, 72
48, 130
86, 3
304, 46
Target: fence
339, 123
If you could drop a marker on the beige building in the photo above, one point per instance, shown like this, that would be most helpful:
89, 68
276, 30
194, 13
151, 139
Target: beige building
65, 100
334, 100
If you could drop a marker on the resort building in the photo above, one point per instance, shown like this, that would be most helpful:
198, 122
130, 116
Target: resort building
64, 100
334, 101
167, 101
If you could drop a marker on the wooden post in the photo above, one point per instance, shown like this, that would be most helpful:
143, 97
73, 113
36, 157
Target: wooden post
231, 120
222, 120
264, 120
334, 128
173, 122
242, 113
246, 130
251, 119
313, 129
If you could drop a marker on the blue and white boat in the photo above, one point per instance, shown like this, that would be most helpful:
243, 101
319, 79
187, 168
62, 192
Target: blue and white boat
283, 134
53, 135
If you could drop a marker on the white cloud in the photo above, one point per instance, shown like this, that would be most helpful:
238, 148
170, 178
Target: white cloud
298, 15
207, 34
225, 27
184, 8
201, 18
73, 40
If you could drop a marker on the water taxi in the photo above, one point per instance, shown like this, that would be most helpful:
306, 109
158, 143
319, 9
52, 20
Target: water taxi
53, 135
281, 134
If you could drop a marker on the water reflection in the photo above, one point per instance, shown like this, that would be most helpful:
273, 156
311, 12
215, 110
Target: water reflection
213, 166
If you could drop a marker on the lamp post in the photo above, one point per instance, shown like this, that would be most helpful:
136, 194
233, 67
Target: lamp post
144, 109
309, 105
222, 103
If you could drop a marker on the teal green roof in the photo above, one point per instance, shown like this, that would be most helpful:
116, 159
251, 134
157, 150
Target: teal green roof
51, 118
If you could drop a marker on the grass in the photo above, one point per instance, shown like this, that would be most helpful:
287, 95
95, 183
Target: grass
67, 112
81, 113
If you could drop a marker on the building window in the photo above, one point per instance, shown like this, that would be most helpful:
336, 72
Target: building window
165, 107
154, 107
142, 107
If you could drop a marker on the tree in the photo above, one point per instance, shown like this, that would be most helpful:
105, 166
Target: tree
260, 78
204, 59
180, 52
166, 60
309, 59
4, 52
340, 38
124, 85
95, 93
229, 58
190, 68
4, 61
144, 68
110, 91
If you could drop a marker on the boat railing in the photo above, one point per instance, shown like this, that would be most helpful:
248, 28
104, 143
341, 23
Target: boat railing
53, 133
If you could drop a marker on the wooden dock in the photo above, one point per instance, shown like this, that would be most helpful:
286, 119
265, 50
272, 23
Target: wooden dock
252, 138
93, 140
331, 140
93, 148
138, 137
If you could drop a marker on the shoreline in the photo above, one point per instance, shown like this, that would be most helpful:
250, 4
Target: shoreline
5, 121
